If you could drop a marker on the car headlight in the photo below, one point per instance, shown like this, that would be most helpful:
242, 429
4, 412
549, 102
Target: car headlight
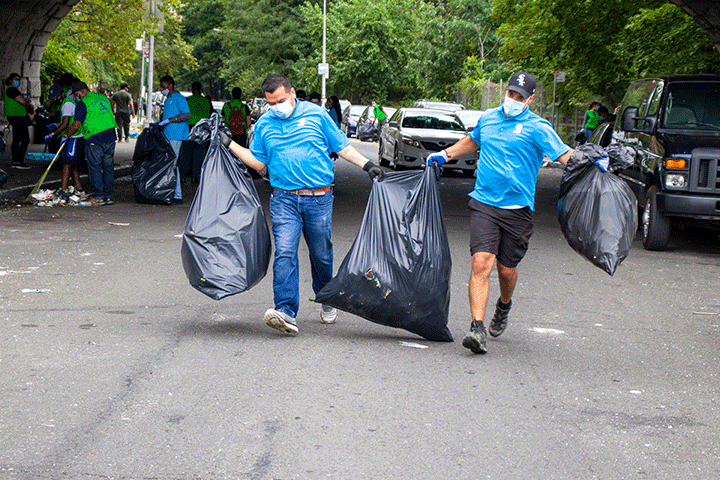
675, 180
411, 142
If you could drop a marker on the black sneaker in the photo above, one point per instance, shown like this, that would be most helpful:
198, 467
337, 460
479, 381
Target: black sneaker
20, 165
500, 319
475, 339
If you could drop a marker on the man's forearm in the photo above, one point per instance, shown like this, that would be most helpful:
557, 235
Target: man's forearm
350, 154
464, 146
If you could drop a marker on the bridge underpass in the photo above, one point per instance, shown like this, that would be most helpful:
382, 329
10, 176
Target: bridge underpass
28, 25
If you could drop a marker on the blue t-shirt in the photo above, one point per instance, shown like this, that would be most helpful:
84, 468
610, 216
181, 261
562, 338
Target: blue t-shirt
106, 136
175, 104
511, 152
297, 150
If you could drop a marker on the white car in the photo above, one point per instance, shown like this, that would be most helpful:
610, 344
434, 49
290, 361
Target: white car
414, 133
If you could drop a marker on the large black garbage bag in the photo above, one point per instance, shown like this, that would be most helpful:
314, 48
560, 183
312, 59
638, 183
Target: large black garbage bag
3, 177
154, 167
226, 240
597, 210
397, 273
367, 132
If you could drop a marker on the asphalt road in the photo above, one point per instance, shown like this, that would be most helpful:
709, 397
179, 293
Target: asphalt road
123, 371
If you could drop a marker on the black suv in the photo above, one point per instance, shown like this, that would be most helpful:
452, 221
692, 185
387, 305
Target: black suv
674, 124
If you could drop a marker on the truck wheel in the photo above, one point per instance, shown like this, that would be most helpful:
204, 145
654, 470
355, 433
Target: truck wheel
655, 225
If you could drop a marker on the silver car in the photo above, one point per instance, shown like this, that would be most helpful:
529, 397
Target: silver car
414, 133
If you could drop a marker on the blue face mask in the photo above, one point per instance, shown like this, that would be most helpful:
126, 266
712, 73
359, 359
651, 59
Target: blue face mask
16, 83
513, 108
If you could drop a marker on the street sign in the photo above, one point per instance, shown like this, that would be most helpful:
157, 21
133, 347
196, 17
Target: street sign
560, 77
323, 69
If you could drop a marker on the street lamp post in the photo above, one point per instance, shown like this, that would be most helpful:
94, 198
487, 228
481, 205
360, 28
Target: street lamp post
324, 75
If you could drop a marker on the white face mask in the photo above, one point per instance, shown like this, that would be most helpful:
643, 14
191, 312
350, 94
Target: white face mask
513, 108
282, 110
165, 92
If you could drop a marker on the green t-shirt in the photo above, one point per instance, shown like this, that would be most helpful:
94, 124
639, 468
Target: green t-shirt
122, 101
13, 108
99, 115
200, 107
379, 114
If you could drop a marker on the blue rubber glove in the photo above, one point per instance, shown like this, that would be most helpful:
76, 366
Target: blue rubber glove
52, 127
437, 157
163, 123
49, 137
602, 162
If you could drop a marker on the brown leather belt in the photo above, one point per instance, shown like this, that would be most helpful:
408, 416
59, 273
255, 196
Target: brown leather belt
308, 192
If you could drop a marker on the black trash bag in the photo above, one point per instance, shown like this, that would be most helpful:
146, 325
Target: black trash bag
226, 241
367, 132
597, 212
154, 167
621, 156
3, 177
397, 273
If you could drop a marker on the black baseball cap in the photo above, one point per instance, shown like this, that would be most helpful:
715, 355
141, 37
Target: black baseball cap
523, 83
77, 86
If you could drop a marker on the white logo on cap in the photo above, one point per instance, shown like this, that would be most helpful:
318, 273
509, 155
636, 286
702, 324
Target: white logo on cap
521, 80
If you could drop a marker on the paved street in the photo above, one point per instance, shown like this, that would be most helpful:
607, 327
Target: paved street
123, 371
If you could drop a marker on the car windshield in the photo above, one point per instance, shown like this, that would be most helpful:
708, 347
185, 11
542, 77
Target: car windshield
434, 122
693, 106
356, 110
469, 118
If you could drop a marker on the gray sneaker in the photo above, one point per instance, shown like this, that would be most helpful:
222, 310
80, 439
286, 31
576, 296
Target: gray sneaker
281, 321
500, 319
328, 314
474, 340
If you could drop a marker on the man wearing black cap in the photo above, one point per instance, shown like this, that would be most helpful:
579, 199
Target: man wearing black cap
512, 142
95, 120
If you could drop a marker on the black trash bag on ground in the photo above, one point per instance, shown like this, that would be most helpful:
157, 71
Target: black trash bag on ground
3, 177
154, 167
597, 210
226, 240
397, 273
367, 132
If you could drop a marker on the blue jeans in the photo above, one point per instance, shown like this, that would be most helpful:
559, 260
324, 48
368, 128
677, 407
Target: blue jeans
101, 168
292, 215
176, 144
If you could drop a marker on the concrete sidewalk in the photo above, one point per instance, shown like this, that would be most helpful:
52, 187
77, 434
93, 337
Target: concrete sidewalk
21, 182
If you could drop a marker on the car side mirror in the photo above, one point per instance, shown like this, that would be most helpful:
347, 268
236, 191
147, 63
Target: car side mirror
393, 124
630, 120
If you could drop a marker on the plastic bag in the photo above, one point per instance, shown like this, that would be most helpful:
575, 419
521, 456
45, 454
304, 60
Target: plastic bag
3, 177
397, 272
367, 132
154, 167
597, 211
226, 240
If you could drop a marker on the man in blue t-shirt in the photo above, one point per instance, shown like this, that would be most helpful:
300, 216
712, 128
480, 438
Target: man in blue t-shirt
294, 141
174, 123
512, 142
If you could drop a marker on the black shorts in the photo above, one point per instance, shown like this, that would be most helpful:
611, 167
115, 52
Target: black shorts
502, 232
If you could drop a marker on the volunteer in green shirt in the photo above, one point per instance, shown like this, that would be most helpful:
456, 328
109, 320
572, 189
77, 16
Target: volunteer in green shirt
73, 155
591, 119
379, 113
200, 105
123, 107
16, 112
237, 117
95, 120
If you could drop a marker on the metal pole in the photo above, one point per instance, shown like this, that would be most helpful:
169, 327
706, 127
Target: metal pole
142, 78
324, 47
149, 106
552, 117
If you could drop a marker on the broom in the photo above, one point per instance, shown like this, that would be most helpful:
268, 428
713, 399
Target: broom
36, 189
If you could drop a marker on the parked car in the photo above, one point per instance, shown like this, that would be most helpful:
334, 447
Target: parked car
368, 115
449, 106
350, 116
673, 122
469, 118
602, 135
414, 133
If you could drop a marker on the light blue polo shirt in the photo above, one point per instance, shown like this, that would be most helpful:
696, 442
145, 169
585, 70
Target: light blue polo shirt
297, 150
511, 153
175, 104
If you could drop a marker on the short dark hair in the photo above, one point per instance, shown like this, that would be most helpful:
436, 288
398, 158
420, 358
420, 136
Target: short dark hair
66, 79
124, 85
314, 95
301, 94
603, 109
196, 86
237, 92
274, 81
167, 79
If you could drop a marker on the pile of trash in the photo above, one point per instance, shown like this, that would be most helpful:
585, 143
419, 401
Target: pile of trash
69, 197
